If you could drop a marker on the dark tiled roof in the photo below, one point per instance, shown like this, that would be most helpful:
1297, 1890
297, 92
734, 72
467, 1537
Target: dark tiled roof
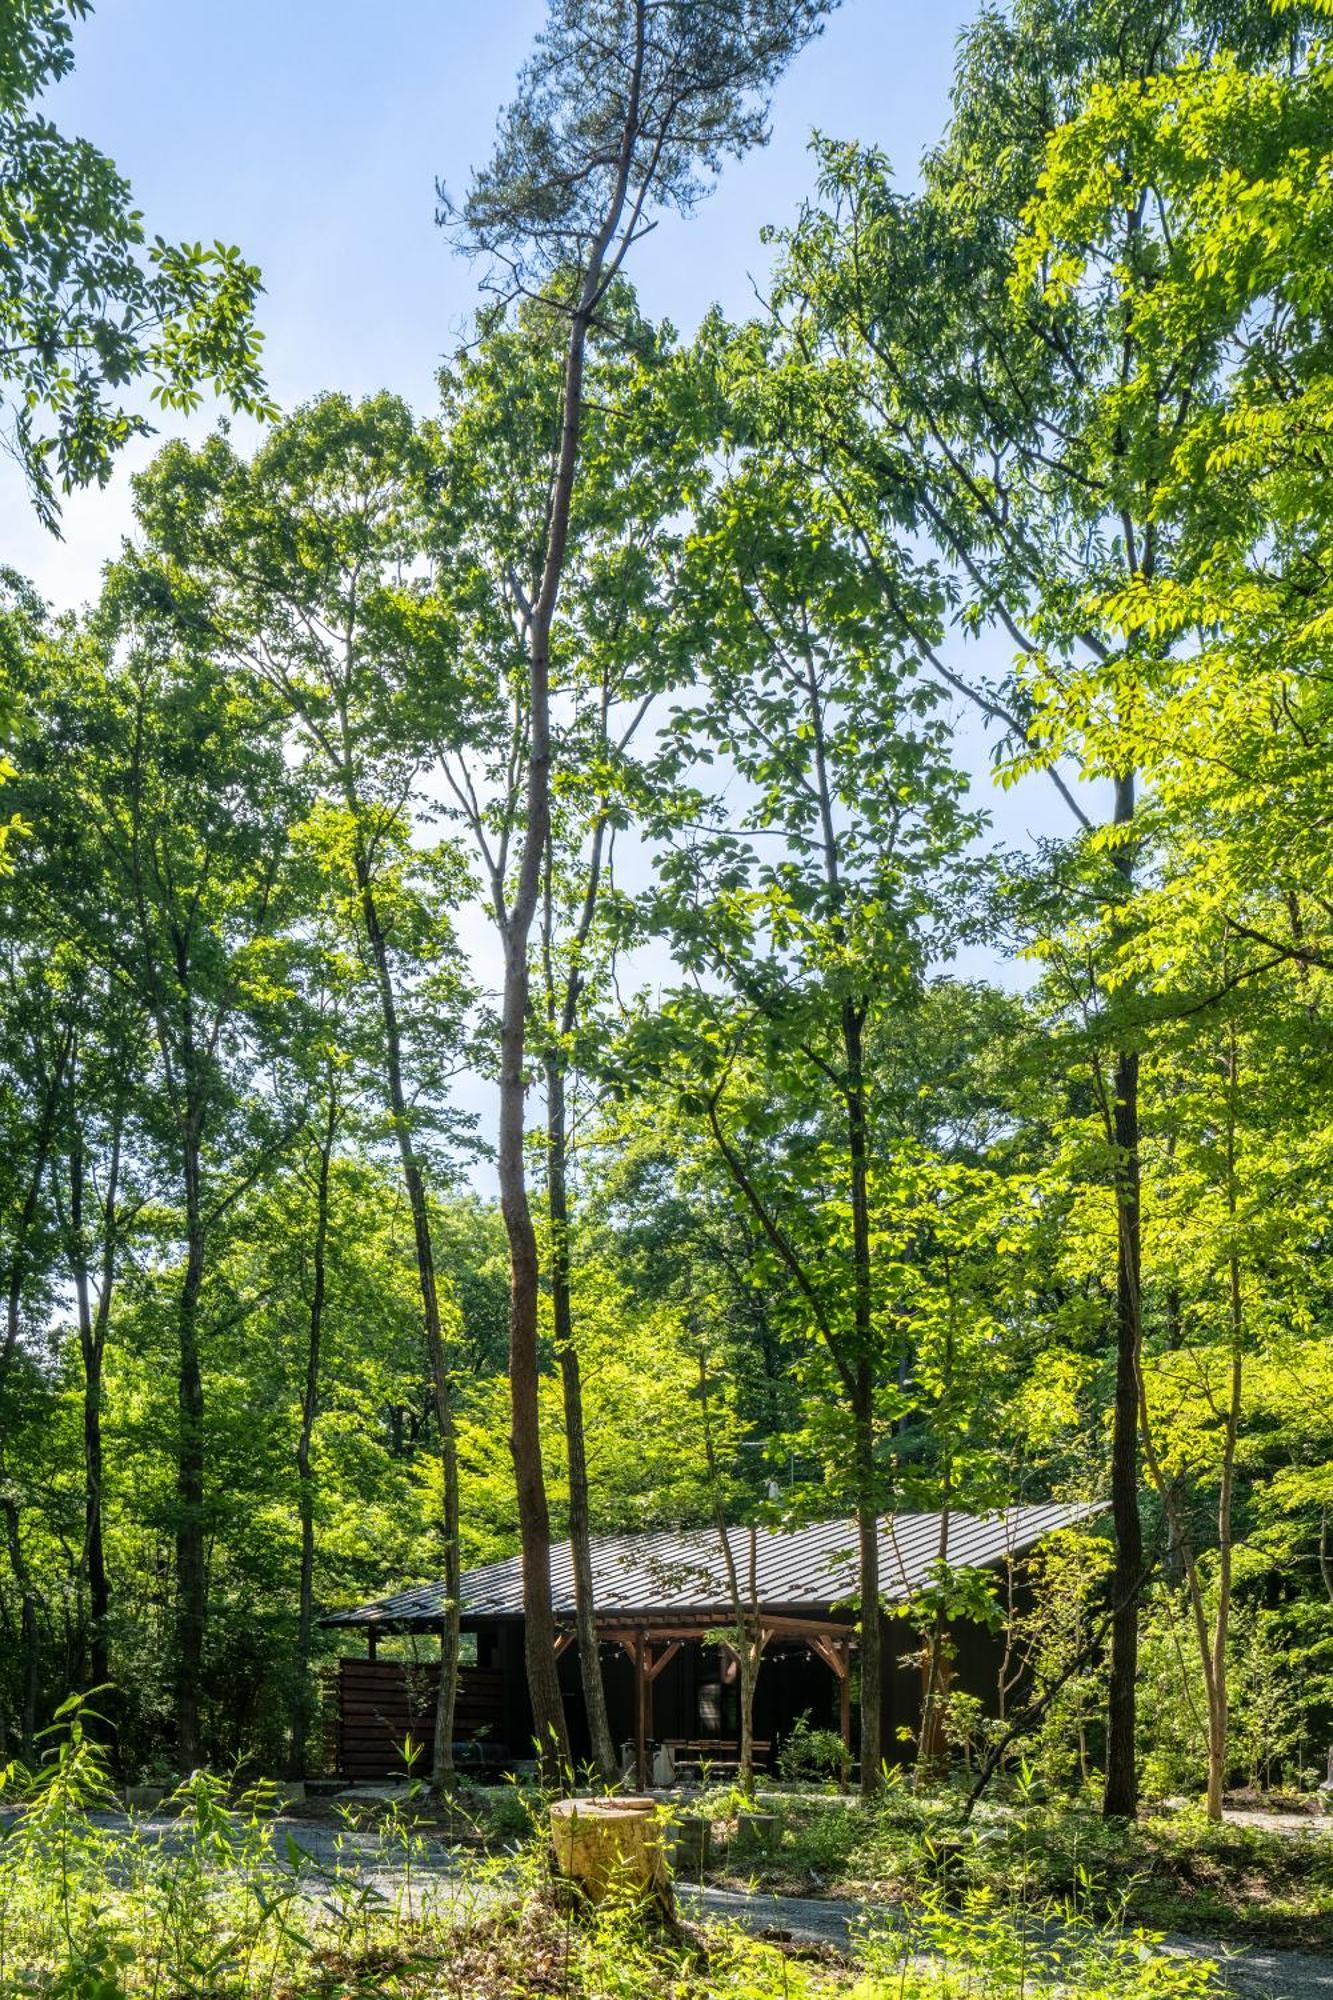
807, 1570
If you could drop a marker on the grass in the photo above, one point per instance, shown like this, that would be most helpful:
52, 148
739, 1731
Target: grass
223, 1904
1174, 1871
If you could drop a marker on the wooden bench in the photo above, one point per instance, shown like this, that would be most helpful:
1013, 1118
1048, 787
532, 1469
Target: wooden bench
722, 1754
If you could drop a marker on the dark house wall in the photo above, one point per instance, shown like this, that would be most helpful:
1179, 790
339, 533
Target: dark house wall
376, 1704
693, 1698
975, 1669
500, 1646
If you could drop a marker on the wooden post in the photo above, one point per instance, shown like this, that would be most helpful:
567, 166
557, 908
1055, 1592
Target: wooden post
643, 1674
662, 1660
836, 1654
372, 1641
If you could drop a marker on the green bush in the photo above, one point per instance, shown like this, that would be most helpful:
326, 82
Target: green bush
983, 1949
813, 1756
819, 1847
224, 1905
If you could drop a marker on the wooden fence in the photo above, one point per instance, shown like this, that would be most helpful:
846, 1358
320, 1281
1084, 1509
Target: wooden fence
371, 1707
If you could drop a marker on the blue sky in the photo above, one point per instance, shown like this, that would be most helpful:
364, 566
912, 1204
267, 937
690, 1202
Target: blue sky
311, 133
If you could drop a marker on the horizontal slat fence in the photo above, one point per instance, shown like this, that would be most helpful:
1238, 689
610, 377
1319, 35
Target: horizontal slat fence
374, 1705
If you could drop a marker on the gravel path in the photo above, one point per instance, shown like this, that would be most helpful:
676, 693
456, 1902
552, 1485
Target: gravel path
1252, 1972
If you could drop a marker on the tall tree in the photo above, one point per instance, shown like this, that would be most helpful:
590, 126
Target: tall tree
808, 689
1230, 725
322, 1060
959, 406
501, 403
297, 569
96, 1203
623, 109
175, 808
746, 1638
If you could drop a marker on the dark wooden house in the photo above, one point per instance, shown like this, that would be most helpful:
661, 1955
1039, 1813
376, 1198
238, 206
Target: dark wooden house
661, 1600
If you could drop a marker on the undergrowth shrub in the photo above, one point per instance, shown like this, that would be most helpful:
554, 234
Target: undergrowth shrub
222, 1903
821, 1844
218, 1902
812, 1755
979, 1948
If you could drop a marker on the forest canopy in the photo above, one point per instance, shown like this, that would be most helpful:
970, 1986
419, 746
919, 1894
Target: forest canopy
657, 663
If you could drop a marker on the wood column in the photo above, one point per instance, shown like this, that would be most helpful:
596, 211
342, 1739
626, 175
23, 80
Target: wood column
372, 1642
649, 1666
836, 1653
642, 1666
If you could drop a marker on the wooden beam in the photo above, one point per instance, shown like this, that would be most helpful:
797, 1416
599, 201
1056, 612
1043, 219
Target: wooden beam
669, 1628
831, 1654
563, 1641
797, 1628
663, 1659
372, 1642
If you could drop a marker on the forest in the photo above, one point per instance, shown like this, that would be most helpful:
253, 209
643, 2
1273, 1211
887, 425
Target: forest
615, 746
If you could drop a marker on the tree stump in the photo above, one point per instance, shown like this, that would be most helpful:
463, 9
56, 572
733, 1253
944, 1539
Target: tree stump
612, 1847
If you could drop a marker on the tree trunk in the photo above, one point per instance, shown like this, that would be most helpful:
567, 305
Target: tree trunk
301, 1704
590, 1663
525, 1432
932, 1691
99, 1585
748, 1644
872, 1636
442, 1772
18, 1261
1218, 1692
612, 1847
1207, 1642
534, 1521
28, 1633
93, 1323
857, 1369
1121, 1795
191, 1583
446, 1699
863, 1415
749, 1661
